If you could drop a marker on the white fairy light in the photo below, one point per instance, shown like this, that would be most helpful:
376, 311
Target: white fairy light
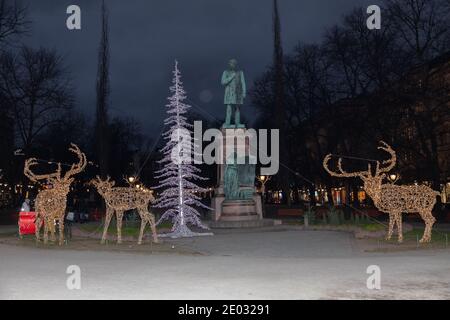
177, 178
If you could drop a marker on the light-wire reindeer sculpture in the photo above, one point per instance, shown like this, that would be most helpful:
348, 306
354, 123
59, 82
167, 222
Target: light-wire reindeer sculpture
120, 199
51, 203
390, 198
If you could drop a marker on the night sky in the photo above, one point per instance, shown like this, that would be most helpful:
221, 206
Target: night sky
147, 35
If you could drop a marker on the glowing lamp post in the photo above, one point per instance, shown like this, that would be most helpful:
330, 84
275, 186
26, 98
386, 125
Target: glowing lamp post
263, 180
393, 177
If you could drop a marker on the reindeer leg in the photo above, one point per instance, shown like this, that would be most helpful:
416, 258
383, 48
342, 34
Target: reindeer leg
151, 220
143, 216
399, 227
391, 226
119, 217
61, 231
38, 227
109, 213
52, 227
45, 231
427, 216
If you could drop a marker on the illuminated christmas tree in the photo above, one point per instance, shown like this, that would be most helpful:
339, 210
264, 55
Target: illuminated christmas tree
180, 195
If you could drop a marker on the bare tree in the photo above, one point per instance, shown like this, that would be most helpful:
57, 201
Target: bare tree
423, 25
425, 100
72, 127
363, 60
359, 86
126, 139
306, 96
36, 85
13, 21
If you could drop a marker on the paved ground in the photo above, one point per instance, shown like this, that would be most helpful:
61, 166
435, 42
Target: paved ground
232, 265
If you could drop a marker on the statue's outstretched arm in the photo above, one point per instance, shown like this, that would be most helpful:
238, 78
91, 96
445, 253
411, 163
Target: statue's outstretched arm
227, 77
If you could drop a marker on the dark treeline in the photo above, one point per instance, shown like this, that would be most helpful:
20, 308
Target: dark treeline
359, 86
341, 95
39, 113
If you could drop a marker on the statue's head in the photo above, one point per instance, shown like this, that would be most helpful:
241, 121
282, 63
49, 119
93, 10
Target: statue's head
232, 64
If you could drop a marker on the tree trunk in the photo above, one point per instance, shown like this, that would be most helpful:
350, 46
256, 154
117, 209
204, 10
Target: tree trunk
312, 196
330, 196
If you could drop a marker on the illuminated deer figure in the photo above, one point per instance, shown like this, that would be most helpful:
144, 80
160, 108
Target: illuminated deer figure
390, 198
120, 199
51, 203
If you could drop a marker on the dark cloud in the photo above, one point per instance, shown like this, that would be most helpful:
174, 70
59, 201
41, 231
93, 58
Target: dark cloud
147, 36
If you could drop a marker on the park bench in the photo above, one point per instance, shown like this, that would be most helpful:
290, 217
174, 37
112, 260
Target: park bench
289, 212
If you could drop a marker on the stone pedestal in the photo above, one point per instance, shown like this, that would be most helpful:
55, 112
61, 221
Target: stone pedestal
238, 210
234, 210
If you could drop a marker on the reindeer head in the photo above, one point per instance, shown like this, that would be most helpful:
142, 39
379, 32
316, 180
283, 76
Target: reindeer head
103, 185
57, 179
372, 181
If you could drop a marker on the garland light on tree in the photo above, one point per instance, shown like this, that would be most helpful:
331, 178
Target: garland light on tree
178, 176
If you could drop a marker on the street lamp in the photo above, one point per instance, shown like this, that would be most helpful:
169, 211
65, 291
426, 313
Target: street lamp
263, 180
131, 179
393, 177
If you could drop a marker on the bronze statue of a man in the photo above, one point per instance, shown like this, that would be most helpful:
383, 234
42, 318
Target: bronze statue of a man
235, 93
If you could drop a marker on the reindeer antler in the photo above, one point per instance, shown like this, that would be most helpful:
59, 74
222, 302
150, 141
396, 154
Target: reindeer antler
76, 167
390, 163
342, 173
98, 181
35, 177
